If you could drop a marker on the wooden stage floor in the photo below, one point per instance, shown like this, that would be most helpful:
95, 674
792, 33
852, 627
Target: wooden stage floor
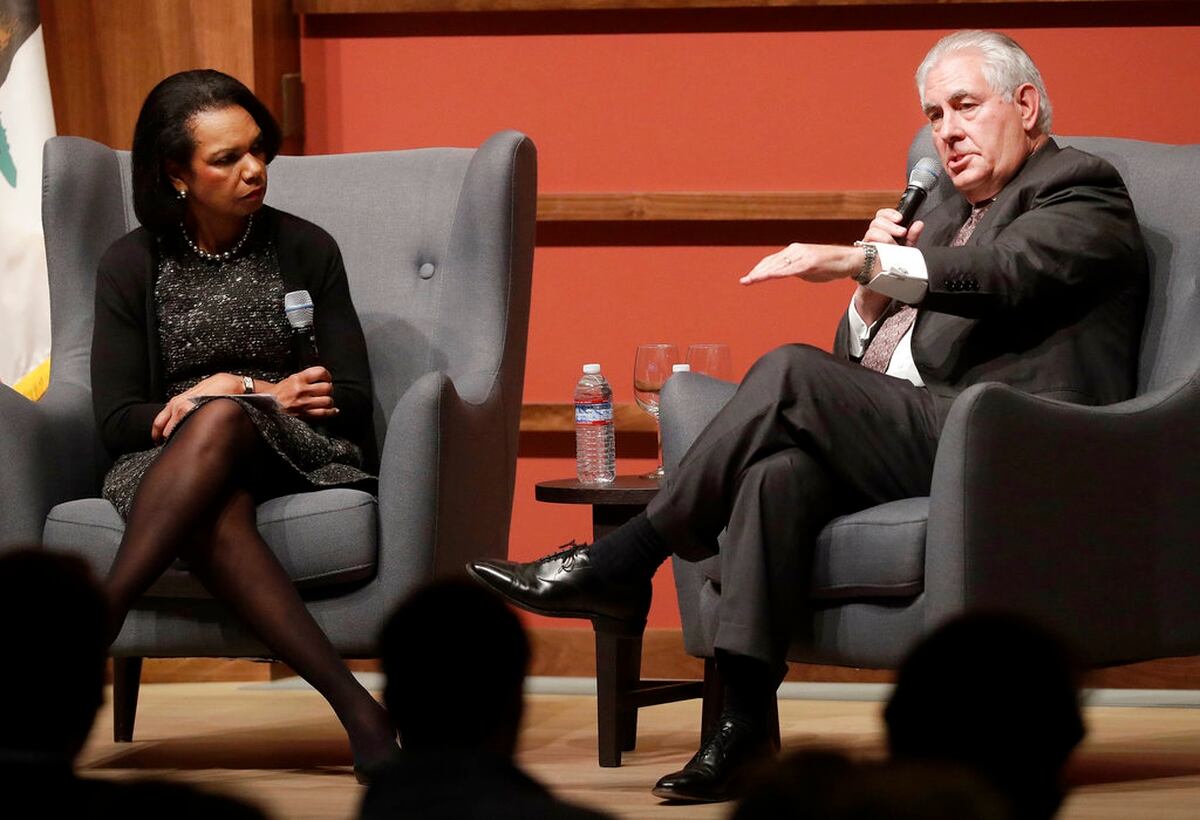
283, 750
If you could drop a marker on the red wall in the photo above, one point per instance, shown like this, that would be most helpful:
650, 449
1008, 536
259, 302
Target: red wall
694, 101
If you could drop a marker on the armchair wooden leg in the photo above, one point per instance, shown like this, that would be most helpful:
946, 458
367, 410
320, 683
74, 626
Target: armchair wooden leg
620, 692
618, 668
631, 678
773, 717
127, 677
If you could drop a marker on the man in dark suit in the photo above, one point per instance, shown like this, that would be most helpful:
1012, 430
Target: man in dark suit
1034, 276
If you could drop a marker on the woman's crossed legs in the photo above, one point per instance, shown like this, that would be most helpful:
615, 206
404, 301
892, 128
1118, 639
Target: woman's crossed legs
196, 502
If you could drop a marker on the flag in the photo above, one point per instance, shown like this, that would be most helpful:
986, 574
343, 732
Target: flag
26, 122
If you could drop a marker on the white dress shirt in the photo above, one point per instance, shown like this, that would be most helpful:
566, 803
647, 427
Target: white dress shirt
904, 277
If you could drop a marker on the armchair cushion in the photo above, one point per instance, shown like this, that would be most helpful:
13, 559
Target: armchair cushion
325, 538
874, 553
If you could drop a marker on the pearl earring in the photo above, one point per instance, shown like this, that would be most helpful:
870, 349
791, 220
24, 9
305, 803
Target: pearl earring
181, 193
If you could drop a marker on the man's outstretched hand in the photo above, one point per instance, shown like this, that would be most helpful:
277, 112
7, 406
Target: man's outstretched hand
825, 263
812, 263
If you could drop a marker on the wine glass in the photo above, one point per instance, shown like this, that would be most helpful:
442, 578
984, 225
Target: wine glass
651, 369
711, 360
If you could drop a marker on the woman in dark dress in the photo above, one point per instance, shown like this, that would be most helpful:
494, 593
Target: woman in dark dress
191, 306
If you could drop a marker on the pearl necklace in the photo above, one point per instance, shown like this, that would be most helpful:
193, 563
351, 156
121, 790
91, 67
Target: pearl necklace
218, 257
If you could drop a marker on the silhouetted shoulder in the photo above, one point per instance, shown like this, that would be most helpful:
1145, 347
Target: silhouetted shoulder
462, 784
150, 798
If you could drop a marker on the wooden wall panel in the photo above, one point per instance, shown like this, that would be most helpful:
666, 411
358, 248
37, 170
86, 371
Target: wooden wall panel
424, 6
276, 41
104, 56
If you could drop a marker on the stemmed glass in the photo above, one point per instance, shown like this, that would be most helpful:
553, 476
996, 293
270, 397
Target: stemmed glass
711, 360
651, 369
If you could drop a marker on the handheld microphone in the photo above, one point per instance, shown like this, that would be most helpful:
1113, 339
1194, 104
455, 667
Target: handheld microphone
298, 307
921, 181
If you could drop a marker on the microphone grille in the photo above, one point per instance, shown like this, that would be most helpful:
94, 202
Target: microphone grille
298, 307
925, 173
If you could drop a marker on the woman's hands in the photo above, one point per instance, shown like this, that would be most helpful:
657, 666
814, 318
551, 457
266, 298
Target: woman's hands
307, 395
177, 408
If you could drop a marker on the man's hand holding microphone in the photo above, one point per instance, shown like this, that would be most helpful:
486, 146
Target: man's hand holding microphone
825, 263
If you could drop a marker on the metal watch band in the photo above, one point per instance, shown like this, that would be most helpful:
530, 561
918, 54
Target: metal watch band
871, 253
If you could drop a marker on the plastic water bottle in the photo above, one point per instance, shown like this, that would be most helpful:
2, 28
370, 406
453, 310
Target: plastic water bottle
595, 437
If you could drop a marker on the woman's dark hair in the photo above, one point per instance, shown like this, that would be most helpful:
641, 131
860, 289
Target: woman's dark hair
163, 132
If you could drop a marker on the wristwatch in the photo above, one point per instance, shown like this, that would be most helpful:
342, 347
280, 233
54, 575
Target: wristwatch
247, 384
871, 253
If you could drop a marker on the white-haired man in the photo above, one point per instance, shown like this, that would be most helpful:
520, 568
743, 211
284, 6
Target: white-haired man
1035, 276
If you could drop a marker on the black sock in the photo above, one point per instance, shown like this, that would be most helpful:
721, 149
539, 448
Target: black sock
633, 550
748, 687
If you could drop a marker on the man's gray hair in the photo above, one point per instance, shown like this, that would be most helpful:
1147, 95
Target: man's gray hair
1006, 66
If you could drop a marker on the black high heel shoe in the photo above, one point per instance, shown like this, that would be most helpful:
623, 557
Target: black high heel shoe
367, 770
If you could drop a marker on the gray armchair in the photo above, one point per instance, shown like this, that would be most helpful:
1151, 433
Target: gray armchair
438, 246
1085, 518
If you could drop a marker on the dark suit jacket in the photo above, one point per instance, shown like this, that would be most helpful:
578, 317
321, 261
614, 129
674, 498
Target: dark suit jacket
127, 383
1048, 295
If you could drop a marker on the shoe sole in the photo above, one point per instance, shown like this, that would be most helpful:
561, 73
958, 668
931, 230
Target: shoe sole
676, 797
600, 623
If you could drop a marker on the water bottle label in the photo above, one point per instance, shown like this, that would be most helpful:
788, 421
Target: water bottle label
595, 413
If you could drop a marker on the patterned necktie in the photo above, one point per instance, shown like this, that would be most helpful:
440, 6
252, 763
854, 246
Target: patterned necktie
881, 349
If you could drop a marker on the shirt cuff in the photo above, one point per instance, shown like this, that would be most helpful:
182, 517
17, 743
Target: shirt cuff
860, 332
904, 275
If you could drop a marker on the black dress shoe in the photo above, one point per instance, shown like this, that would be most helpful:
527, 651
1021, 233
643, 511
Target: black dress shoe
566, 585
717, 772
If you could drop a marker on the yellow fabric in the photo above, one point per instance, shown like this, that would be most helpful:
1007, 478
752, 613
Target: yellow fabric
34, 383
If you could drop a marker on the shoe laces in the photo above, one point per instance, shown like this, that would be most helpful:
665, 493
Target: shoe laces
566, 553
722, 736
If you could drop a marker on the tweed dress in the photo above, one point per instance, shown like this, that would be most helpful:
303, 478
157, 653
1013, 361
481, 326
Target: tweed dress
227, 316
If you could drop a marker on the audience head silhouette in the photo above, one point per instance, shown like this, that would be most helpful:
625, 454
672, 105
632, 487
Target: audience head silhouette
455, 658
826, 785
997, 693
54, 618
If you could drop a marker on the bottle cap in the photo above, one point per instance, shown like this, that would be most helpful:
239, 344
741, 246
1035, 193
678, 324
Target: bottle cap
591, 369
681, 368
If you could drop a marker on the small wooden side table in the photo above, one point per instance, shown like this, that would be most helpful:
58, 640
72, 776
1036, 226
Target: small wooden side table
620, 690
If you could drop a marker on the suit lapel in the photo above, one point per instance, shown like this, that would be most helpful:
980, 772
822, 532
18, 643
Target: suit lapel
945, 220
940, 226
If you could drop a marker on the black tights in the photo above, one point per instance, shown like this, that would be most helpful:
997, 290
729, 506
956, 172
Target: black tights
195, 502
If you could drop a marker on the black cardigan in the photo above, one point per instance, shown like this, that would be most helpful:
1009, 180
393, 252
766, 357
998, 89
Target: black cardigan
127, 378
